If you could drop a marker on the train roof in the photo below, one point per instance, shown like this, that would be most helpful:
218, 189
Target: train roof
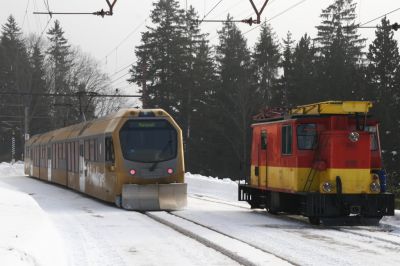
321, 109
102, 125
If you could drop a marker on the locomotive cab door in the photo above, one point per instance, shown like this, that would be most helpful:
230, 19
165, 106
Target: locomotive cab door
262, 158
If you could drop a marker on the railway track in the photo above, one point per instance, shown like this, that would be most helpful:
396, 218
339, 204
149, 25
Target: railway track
369, 232
236, 249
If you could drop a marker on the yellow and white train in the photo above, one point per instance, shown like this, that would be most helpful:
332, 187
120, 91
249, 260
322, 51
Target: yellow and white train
133, 158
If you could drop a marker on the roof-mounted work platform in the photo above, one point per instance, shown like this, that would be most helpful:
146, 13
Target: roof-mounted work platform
332, 107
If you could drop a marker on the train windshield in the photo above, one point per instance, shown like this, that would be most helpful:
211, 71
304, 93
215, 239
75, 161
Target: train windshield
148, 141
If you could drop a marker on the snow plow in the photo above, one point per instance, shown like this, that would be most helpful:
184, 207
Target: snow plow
154, 197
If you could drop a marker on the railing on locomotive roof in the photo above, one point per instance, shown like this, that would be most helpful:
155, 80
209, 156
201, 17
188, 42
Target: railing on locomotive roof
270, 113
332, 107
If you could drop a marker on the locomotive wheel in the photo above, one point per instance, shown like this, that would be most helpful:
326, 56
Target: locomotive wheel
314, 220
254, 204
272, 211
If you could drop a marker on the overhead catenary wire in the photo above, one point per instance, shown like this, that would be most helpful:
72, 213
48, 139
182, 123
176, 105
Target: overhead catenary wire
115, 49
212, 9
113, 81
372, 20
26, 12
101, 13
277, 15
37, 18
79, 94
121, 69
47, 6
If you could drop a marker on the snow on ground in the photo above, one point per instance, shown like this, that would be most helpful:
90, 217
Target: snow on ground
27, 236
227, 190
91, 232
43, 224
8, 169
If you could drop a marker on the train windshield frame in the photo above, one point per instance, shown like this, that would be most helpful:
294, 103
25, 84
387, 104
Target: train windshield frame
148, 141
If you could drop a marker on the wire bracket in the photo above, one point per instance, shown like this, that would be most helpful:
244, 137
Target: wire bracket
101, 13
250, 21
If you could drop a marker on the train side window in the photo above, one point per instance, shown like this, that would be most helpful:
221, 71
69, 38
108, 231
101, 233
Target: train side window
91, 150
99, 157
76, 156
69, 156
263, 140
306, 136
109, 150
86, 150
286, 139
95, 150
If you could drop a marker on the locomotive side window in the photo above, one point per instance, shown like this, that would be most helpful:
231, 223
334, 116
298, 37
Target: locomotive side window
286, 139
374, 137
306, 136
263, 140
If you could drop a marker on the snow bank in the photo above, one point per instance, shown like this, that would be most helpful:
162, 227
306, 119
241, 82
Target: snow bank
224, 189
27, 237
8, 169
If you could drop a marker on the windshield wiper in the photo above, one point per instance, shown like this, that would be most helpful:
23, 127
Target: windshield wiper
154, 165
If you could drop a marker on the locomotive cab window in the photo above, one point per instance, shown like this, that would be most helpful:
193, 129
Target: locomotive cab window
109, 150
148, 141
286, 139
263, 140
306, 136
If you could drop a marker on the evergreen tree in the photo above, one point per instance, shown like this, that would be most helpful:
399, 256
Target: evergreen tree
173, 66
303, 73
340, 49
15, 77
284, 87
235, 98
60, 64
266, 59
200, 139
160, 58
384, 81
38, 106
198, 87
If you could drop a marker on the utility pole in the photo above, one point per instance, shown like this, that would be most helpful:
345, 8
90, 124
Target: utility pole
13, 147
26, 124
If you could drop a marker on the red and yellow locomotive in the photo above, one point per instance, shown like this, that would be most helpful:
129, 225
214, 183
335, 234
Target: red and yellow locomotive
322, 161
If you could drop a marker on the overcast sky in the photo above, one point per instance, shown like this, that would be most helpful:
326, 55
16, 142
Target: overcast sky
112, 39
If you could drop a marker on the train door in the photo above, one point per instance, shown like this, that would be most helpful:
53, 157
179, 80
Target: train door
40, 159
67, 162
262, 158
81, 167
49, 163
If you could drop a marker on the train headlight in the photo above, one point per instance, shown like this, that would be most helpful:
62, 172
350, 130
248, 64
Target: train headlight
375, 176
327, 187
375, 187
132, 171
354, 136
170, 171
